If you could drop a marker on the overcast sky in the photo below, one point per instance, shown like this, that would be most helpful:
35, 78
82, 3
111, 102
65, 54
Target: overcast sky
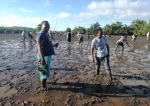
71, 13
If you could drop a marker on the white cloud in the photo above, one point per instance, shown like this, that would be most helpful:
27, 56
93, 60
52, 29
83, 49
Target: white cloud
71, 26
67, 7
47, 3
24, 10
4, 12
116, 10
63, 15
16, 20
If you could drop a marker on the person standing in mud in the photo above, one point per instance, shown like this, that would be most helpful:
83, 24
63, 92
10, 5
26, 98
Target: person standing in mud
31, 36
45, 51
120, 40
69, 37
148, 35
134, 37
23, 35
100, 52
80, 37
28, 34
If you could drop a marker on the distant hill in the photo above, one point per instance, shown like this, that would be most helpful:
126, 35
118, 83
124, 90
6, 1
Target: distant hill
22, 28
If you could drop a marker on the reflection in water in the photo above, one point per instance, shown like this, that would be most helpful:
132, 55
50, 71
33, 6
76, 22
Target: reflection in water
44, 98
69, 49
31, 45
99, 87
81, 50
133, 45
24, 44
147, 46
119, 58
106, 89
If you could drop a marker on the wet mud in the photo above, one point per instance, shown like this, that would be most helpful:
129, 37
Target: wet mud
73, 80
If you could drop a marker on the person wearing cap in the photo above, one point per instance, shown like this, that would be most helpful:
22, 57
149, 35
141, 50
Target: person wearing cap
100, 52
120, 40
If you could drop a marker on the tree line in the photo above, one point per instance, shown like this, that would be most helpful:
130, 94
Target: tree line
10, 30
137, 27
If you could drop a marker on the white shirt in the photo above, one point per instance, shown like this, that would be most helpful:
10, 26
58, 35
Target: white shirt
133, 37
79, 36
23, 33
148, 34
99, 46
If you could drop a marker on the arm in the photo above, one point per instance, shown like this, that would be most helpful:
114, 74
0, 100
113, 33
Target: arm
92, 54
118, 38
107, 47
66, 35
92, 50
52, 37
40, 52
108, 50
127, 43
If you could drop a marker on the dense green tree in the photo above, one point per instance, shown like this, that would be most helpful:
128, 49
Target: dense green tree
14, 29
38, 28
137, 27
79, 29
68, 30
107, 29
140, 27
93, 27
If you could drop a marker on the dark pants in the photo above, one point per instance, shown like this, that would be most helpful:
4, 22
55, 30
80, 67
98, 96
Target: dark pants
121, 44
104, 59
81, 39
24, 37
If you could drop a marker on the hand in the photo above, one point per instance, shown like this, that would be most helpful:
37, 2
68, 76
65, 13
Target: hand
56, 44
108, 55
43, 62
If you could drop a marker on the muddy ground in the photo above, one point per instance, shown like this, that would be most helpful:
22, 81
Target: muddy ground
73, 80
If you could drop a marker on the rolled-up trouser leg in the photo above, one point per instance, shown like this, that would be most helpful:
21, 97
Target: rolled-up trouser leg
48, 62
